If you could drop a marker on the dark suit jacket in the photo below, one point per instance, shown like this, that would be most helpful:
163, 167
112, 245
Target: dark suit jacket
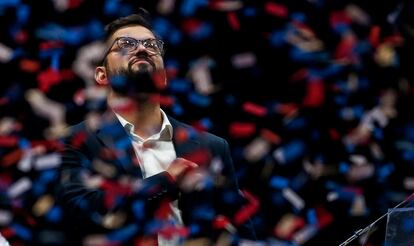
107, 152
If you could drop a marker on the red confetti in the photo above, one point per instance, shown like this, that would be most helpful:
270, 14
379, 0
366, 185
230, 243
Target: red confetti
67, 74
270, 136
12, 158
324, 217
315, 94
7, 232
242, 129
199, 126
50, 45
48, 144
146, 241
374, 36
334, 134
221, 222
339, 17
181, 135
395, 39
191, 25
8, 141
113, 190
233, 21
201, 156
278, 10
254, 109
78, 139
48, 78
345, 49
286, 109
74, 4
170, 231
248, 210
164, 210
30, 66
163, 100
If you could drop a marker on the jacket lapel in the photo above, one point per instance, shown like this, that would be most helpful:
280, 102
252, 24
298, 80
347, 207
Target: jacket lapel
114, 138
184, 139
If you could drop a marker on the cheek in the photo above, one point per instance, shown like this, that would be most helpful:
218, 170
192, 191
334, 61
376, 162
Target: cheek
117, 61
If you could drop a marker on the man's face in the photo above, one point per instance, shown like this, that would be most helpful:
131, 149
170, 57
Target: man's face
134, 70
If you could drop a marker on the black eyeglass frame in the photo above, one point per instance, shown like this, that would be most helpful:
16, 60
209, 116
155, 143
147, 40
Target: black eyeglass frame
136, 42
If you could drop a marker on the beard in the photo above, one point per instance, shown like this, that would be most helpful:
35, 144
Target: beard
133, 82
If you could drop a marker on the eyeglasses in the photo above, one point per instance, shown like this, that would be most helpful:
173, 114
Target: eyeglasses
128, 44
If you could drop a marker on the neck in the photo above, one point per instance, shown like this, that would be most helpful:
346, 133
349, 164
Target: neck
143, 111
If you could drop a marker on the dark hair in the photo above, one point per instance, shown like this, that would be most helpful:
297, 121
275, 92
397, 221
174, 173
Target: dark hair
141, 18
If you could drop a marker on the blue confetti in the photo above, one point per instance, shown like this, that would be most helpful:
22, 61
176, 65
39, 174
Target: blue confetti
279, 182
22, 231
138, 210
189, 7
343, 167
54, 214
177, 109
311, 217
179, 85
199, 100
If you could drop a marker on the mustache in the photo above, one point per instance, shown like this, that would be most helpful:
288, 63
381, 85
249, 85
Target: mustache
142, 56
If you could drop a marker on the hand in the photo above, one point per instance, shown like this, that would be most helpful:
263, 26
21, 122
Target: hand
179, 167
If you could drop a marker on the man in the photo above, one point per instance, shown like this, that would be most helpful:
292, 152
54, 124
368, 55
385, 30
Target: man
137, 174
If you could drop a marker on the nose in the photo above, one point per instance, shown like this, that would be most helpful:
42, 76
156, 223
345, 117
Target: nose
140, 48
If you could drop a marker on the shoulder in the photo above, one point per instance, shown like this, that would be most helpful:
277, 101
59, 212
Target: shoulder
79, 127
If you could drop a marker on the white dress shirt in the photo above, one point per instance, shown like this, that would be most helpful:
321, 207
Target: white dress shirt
155, 155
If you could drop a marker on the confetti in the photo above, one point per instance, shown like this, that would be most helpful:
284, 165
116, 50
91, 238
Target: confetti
256, 150
19, 187
244, 60
6, 53
293, 198
331, 112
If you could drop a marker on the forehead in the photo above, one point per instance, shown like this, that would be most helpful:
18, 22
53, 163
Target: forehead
138, 32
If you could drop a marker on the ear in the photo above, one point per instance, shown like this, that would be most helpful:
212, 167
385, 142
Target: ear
100, 76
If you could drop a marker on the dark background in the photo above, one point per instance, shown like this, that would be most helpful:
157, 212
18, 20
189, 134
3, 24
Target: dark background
319, 70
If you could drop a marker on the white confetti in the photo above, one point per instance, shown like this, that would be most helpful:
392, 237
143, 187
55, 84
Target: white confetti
6, 53
201, 76
244, 60
216, 165
47, 161
7, 125
293, 198
5, 217
165, 6
61, 5
409, 183
332, 196
43, 106
86, 59
257, 149
19, 187
304, 234
25, 163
